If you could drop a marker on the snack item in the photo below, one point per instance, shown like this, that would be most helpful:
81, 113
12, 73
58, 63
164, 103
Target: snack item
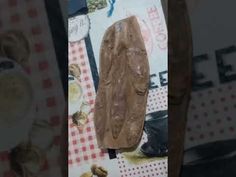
99, 171
123, 86
74, 70
80, 119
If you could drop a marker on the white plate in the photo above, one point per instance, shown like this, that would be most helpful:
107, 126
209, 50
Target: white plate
12, 134
75, 105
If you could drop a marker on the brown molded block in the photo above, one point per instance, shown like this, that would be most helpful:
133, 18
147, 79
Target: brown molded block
123, 86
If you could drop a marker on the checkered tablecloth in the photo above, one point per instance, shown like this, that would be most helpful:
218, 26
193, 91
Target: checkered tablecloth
82, 144
30, 17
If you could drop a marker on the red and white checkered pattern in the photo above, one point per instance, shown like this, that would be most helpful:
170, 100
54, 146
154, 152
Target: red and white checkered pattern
83, 144
205, 122
30, 17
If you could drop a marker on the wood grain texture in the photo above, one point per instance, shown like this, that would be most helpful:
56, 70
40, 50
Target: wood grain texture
179, 85
123, 86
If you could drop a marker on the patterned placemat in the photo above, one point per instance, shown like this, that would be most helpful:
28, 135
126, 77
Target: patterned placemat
210, 115
157, 168
157, 101
83, 146
30, 17
83, 150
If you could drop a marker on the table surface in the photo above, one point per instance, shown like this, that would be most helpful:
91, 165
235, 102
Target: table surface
30, 17
83, 149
